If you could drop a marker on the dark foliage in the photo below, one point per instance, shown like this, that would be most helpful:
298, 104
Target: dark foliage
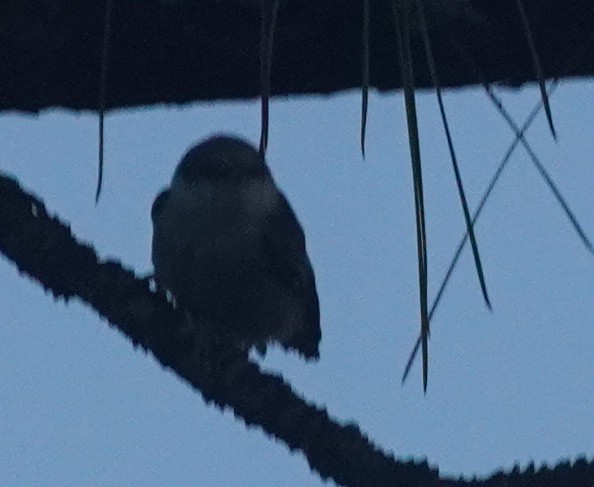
178, 51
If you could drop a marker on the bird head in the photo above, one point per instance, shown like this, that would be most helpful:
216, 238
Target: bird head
221, 158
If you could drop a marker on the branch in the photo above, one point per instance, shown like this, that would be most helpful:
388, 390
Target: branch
44, 248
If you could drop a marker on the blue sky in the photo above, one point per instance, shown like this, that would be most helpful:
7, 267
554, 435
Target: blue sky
79, 406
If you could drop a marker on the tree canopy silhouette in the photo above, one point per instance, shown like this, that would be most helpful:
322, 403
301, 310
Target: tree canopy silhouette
179, 51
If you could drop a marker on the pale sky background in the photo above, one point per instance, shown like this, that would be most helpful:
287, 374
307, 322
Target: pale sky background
80, 407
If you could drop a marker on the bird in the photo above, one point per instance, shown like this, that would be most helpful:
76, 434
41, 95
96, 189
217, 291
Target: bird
230, 250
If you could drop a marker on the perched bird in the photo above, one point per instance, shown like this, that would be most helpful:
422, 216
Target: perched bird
228, 247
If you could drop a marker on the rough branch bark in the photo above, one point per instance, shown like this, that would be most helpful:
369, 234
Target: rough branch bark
44, 249
178, 51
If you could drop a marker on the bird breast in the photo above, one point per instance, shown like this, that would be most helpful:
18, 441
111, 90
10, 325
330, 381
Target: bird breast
210, 228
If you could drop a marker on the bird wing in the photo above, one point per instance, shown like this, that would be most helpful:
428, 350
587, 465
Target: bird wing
284, 244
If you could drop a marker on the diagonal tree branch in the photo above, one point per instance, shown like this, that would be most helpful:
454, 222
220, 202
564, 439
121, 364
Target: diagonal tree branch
44, 248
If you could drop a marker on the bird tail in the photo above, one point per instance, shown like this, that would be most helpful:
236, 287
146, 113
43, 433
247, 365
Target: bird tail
306, 342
